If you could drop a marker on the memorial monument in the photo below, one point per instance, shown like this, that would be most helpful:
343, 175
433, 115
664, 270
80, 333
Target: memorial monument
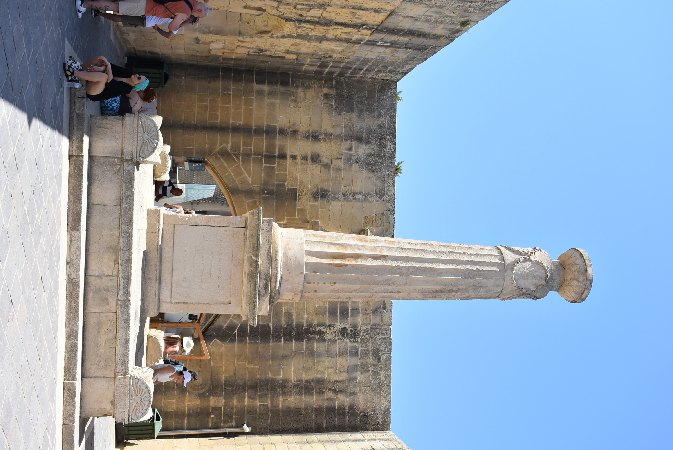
244, 264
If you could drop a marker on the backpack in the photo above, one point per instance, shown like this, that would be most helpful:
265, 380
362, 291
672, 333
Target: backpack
163, 2
177, 364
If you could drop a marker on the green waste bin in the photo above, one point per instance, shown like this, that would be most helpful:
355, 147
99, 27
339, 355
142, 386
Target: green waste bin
153, 69
146, 429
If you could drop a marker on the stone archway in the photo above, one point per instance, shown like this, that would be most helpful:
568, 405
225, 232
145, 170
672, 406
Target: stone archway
233, 181
212, 170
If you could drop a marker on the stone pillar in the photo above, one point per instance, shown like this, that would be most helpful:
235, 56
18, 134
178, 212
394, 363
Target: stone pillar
134, 395
242, 265
315, 265
130, 137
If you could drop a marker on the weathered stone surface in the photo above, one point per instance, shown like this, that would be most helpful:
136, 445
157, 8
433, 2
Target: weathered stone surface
71, 391
366, 38
152, 263
137, 198
76, 144
251, 266
306, 367
103, 433
107, 136
97, 397
315, 154
150, 141
201, 264
155, 346
315, 265
121, 193
100, 339
379, 440
319, 265
104, 181
70, 433
133, 137
101, 294
578, 275
133, 395
102, 241
77, 192
265, 269
73, 331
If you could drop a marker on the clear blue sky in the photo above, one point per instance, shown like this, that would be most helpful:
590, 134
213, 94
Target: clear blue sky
548, 124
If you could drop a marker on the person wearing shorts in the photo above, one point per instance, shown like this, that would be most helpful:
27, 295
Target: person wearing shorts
103, 79
178, 11
146, 21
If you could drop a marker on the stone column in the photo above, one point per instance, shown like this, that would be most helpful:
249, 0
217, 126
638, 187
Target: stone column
242, 265
314, 265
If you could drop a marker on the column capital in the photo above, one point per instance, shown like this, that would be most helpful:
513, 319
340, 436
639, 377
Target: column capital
531, 273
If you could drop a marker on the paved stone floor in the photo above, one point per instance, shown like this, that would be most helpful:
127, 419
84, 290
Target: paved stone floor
34, 36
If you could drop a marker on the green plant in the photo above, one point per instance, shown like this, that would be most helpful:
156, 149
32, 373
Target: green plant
399, 96
465, 23
398, 168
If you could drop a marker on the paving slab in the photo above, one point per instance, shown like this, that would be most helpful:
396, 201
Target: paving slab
34, 103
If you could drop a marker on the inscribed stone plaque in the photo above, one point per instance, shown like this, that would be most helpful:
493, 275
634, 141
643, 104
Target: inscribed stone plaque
207, 264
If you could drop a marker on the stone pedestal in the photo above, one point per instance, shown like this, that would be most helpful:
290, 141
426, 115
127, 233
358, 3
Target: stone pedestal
206, 264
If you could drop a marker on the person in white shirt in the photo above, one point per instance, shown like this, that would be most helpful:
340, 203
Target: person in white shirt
163, 373
147, 22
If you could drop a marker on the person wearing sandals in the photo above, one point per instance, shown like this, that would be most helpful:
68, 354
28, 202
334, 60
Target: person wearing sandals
103, 80
178, 11
147, 22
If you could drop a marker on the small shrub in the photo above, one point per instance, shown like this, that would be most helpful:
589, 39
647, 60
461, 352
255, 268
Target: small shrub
398, 168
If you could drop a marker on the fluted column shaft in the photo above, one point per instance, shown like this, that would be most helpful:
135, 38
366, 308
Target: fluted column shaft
314, 265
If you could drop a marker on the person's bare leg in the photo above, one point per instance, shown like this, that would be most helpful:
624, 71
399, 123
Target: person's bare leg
95, 81
96, 64
91, 76
95, 87
102, 5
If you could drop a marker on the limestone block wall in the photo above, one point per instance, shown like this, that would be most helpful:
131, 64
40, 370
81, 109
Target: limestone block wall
314, 153
306, 368
382, 440
355, 38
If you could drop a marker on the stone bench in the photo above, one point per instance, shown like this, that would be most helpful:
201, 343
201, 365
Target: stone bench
122, 154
